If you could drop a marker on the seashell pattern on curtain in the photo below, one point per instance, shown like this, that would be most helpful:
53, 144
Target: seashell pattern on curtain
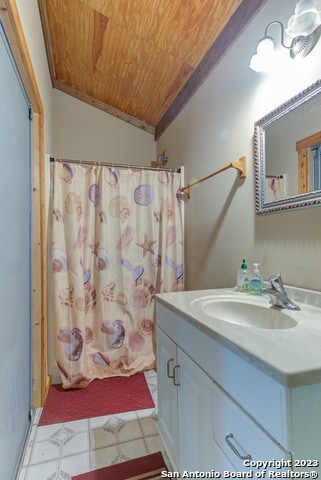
117, 240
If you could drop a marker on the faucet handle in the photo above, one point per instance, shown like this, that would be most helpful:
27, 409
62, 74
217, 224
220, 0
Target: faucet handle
277, 293
276, 282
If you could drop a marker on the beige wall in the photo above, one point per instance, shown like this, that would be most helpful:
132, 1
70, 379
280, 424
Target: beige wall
215, 128
83, 132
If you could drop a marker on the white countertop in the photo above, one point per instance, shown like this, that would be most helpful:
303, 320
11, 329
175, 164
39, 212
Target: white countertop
292, 356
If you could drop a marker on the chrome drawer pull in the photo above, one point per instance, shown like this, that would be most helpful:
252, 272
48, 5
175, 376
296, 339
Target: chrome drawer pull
177, 384
168, 362
234, 450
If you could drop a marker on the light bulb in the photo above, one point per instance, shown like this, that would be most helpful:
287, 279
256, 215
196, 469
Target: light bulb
261, 62
265, 46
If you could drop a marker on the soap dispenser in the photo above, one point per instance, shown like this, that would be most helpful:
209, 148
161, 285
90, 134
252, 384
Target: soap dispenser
256, 280
242, 278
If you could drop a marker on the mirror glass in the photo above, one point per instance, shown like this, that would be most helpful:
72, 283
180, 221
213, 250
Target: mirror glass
287, 144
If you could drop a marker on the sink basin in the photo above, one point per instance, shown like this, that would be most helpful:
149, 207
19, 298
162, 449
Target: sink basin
245, 312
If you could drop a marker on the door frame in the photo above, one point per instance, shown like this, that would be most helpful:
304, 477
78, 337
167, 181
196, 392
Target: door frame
40, 379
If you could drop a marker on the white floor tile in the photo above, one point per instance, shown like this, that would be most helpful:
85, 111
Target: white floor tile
75, 464
148, 412
60, 451
78, 425
44, 471
154, 444
102, 457
46, 431
100, 438
134, 449
79, 443
149, 426
43, 452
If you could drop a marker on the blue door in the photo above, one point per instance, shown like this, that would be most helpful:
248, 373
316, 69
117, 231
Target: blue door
15, 256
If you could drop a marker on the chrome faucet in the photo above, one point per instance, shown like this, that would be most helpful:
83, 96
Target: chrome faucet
277, 293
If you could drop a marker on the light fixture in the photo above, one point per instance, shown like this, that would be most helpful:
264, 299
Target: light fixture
305, 20
302, 29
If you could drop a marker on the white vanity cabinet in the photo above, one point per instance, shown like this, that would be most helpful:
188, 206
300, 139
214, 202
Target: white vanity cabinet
185, 391
216, 410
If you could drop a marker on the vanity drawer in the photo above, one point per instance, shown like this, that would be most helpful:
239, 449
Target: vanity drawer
236, 433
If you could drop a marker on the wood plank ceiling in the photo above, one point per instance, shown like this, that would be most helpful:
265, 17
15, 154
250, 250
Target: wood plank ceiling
139, 60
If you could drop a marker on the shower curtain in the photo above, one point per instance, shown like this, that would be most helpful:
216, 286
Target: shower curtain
117, 240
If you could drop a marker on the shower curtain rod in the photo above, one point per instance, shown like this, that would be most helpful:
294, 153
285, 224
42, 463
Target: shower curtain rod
114, 165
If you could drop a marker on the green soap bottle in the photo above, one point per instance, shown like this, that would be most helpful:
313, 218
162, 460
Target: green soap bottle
242, 278
256, 280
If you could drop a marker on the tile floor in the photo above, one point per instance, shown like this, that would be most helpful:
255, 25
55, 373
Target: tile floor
57, 452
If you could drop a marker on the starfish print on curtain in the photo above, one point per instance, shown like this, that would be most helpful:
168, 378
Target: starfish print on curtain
147, 245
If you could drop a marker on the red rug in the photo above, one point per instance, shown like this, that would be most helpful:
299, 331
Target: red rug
143, 468
101, 397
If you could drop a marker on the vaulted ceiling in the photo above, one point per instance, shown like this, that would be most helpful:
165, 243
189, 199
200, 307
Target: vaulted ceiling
139, 60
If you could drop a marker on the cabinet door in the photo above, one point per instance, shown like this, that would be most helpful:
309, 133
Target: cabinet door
167, 393
194, 424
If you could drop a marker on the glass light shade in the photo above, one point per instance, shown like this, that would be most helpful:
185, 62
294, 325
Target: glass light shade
305, 19
264, 55
265, 46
